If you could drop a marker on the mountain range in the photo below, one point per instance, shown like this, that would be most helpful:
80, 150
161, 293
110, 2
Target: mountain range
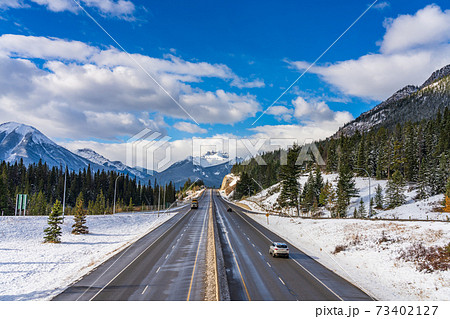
26, 143
411, 103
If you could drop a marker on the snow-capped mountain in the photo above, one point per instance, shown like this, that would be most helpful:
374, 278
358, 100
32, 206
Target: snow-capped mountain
213, 158
411, 103
19, 141
118, 166
179, 172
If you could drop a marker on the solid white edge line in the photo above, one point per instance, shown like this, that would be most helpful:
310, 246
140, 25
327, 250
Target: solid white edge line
148, 247
239, 214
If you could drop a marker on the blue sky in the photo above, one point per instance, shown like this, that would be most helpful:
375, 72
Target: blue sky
223, 62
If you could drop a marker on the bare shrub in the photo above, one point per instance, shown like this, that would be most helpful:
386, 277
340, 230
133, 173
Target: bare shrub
428, 259
339, 248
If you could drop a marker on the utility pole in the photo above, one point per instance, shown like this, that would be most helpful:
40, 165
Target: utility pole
368, 175
65, 181
115, 187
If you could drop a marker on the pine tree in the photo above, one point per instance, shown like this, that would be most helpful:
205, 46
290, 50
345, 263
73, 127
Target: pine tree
289, 195
395, 191
79, 226
131, 206
422, 184
379, 200
53, 232
361, 209
325, 194
308, 195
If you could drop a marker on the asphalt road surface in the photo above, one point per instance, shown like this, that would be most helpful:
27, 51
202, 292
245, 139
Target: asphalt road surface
169, 264
253, 274
166, 264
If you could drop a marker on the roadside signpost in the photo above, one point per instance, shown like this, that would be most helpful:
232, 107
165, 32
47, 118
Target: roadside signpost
21, 204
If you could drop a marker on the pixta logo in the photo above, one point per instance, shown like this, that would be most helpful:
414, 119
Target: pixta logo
148, 151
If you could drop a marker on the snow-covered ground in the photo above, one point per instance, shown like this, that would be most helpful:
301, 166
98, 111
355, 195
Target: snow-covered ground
32, 270
266, 200
368, 261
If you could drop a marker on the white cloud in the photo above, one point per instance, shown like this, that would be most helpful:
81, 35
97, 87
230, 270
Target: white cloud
381, 5
315, 121
4, 4
281, 112
220, 106
189, 127
104, 89
404, 58
116, 8
428, 27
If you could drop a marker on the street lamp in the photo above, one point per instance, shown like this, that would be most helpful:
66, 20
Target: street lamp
368, 175
65, 180
115, 187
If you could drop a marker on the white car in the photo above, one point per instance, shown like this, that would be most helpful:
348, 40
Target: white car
279, 249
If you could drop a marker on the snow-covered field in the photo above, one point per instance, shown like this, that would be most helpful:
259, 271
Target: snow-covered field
32, 270
369, 261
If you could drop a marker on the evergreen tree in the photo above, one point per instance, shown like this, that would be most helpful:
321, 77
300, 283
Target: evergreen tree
379, 200
131, 206
318, 183
308, 193
325, 194
53, 232
395, 191
289, 195
100, 205
422, 184
79, 226
361, 209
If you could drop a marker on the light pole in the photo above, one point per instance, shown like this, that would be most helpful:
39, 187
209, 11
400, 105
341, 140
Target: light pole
368, 175
115, 188
65, 180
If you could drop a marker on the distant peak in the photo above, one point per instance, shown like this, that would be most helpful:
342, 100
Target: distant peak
437, 75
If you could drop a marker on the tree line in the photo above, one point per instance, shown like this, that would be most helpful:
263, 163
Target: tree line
44, 185
414, 155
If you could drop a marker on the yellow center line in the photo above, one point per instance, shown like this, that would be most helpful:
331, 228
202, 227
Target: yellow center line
196, 257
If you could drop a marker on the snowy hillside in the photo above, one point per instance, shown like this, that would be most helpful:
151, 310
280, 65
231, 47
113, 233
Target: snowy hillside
267, 200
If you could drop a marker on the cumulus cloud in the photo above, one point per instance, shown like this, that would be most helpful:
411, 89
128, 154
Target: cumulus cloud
189, 127
315, 121
281, 112
122, 9
103, 89
428, 27
412, 48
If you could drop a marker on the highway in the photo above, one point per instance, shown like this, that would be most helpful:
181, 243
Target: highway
169, 263
166, 264
253, 274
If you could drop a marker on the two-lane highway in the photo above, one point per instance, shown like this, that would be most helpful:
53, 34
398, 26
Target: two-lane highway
167, 264
254, 275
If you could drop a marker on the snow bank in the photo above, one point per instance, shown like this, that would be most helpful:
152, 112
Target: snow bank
368, 261
32, 270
